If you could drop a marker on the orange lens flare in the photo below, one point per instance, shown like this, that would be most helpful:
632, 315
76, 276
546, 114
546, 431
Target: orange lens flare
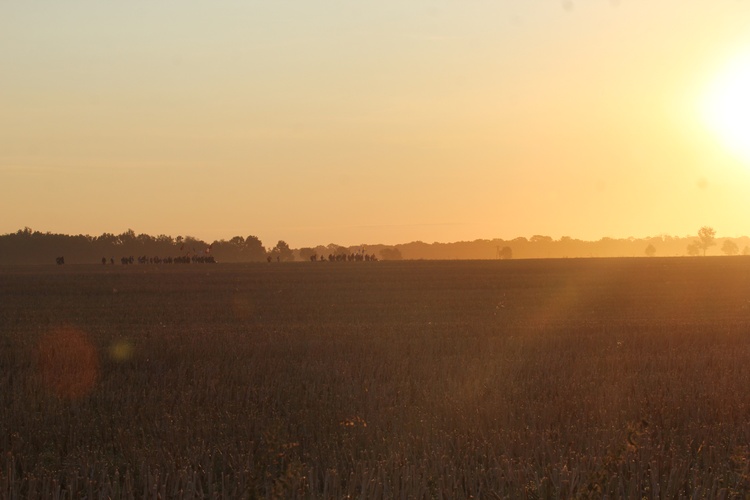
68, 363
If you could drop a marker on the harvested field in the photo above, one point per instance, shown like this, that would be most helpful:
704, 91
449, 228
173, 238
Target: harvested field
499, 379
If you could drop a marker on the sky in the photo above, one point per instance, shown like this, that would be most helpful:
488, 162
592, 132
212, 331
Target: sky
389, 121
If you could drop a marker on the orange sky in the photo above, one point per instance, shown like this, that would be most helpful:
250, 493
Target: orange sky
369, 122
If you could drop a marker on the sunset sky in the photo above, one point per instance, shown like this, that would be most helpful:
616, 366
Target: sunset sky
389, 121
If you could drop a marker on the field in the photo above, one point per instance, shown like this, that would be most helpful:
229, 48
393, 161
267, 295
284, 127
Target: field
577, 378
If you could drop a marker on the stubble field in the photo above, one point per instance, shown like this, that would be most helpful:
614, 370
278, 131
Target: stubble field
574, 378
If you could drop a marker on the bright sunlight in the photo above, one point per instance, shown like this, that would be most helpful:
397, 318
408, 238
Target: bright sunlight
727, 106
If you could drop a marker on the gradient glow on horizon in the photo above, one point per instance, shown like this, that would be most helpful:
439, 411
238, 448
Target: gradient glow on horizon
371, 122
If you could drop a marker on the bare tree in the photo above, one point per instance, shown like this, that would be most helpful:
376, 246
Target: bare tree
707, 236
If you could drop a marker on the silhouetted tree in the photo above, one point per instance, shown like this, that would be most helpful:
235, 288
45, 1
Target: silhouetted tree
730, 248
693, 248
107, 239
228, 251
650, 250
145, 240
337, 250
306, 253
707, 236
538, 238
506, 253
193, 245
254, 250
282, 252
127, 237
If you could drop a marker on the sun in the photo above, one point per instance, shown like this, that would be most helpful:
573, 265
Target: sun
727, 106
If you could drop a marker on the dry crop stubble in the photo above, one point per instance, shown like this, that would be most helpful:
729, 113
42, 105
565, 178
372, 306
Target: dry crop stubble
565, 378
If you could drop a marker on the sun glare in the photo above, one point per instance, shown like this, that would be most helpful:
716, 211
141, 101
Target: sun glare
727, 106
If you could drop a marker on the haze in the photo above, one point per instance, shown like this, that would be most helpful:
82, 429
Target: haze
350, 122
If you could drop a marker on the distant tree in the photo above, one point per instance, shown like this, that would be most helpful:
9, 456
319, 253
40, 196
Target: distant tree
193, 244
650, 250
707, 236
538, 238
127, 236
107, 239
230, 251
506, 253
391, 254
694, 248
306, 253
145, 240
337, 250
746, 250
254, 249
730, 248
283, 252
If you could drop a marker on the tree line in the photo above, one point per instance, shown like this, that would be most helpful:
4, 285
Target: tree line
33, 247
706, 242
27, 246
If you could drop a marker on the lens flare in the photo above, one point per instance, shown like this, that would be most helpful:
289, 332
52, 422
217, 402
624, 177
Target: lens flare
121, 350
68, 363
